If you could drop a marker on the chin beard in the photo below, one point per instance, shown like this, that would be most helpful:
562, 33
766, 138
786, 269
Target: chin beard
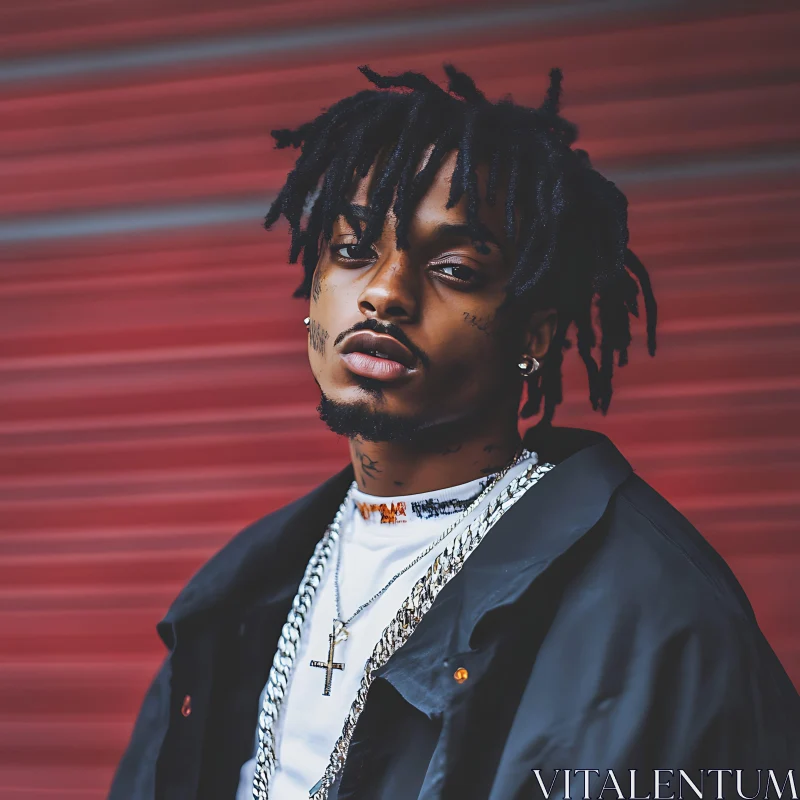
359, 419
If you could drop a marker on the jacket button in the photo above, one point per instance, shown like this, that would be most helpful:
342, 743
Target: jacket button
460, 675
186, 706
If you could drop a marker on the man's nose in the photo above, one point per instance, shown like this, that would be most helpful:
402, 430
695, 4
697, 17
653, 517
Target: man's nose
393, 289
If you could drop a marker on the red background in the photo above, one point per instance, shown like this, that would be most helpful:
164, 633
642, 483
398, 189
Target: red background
154, 390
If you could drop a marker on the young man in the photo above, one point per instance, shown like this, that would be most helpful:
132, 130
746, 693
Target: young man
460, 612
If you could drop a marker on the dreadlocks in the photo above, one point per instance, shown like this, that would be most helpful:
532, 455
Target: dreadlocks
568, 223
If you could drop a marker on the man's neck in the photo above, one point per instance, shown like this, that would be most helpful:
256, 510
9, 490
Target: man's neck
388, 469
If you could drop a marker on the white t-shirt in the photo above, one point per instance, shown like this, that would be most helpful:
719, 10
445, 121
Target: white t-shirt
379, 536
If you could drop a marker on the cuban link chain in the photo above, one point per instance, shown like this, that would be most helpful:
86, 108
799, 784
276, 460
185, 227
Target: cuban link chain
286, 652
443, 569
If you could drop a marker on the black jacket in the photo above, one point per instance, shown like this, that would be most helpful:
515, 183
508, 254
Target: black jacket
599, 631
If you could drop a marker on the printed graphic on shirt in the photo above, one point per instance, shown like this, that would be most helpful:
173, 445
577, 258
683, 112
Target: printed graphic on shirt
390, 512
430, 508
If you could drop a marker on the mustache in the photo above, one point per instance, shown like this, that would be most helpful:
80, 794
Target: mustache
389, 328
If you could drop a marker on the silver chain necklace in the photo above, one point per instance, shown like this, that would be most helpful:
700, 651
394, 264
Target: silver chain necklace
340, 631
424, 592
340, 623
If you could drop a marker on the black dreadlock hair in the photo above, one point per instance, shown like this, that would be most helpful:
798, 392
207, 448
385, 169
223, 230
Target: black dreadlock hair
569, 224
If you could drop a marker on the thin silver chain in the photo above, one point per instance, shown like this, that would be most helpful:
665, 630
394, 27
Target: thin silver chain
520, 456
445, 566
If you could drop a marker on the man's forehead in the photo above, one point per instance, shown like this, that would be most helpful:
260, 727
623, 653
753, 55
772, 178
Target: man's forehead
366, 185
431, 210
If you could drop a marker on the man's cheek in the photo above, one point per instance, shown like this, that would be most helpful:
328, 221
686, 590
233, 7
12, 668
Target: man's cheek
480, 322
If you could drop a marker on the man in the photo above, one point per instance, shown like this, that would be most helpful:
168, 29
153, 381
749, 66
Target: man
460, 612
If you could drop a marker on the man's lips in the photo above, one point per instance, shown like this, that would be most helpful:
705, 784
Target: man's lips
381, 344
377, 355
374, 367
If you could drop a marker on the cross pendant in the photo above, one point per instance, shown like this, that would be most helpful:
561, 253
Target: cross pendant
330, 665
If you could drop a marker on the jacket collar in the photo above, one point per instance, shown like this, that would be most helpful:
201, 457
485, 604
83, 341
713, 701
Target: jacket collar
545, 522
548, 520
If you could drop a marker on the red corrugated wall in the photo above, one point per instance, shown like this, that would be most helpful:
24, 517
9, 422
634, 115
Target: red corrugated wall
154, 391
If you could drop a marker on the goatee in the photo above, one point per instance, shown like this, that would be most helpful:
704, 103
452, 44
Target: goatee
359, 419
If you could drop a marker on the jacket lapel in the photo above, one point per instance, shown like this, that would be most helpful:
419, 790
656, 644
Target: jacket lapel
542, 525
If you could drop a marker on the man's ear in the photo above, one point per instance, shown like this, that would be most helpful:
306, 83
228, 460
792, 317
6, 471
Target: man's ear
540, 330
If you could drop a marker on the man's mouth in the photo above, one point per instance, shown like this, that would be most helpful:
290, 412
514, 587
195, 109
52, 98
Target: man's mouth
374, 364
377, 356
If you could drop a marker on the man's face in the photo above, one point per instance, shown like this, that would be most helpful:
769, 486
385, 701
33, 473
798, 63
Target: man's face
439, 298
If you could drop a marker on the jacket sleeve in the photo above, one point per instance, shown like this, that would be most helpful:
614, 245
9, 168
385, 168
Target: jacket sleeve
708, 694
135, 778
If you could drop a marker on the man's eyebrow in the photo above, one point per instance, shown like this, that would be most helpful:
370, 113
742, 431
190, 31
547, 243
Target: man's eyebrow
446, 230
461, 229
359, 212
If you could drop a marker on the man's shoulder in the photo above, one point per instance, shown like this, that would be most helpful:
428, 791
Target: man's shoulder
639, 548
651, 558
648, 589
642, 574
643, 615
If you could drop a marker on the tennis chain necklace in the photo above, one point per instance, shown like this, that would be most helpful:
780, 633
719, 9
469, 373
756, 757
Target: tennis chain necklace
444, 567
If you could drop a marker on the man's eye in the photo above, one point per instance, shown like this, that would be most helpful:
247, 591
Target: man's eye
459, 272
347, 252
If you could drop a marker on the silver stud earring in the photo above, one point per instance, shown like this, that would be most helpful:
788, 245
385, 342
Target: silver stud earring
307, 322
528, 365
